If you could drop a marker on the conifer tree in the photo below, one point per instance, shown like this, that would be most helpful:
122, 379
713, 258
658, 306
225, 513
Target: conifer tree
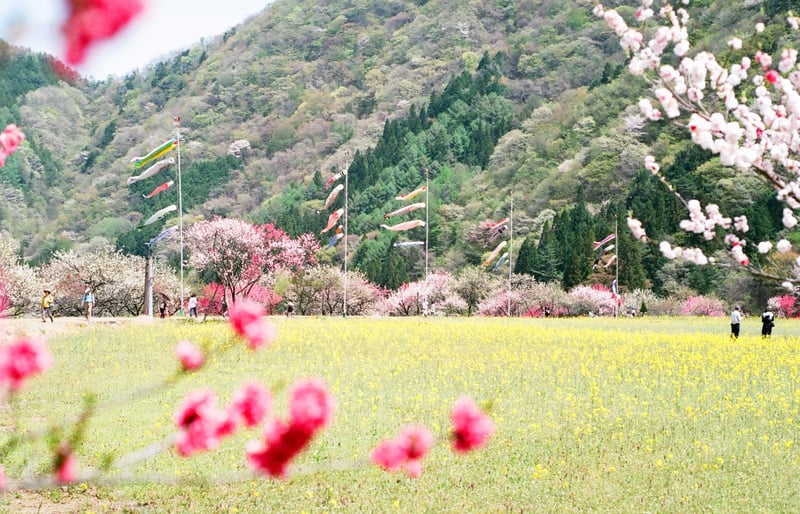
580, 238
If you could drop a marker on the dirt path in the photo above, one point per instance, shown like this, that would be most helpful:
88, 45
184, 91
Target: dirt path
11, 327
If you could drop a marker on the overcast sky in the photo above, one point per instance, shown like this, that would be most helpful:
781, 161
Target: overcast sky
163, 27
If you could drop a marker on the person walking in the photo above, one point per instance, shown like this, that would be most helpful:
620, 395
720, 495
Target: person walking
47, 306
736, 321
88, 302
290, 309
767, 322
193, 306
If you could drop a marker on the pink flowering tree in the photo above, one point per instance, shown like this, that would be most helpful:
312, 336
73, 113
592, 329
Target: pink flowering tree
5, 301
240, 256
597, 300
702, 306
436, 291
784, 306
741, 107
543, 300
231, 251
281, 252
406, 300
498, 303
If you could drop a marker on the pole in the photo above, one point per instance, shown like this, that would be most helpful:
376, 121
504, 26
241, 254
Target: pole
510, 249
180, 201
616, 261
346, 166
427, 218
148, 281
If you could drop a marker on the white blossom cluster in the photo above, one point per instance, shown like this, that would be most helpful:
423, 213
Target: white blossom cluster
746, 111
704, 223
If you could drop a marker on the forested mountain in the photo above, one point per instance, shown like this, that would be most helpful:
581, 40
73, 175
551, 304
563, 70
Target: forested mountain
489, 96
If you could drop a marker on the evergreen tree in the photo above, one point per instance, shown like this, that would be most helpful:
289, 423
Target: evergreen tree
394, 271
548, 265
580, 238
631, 271
526, 256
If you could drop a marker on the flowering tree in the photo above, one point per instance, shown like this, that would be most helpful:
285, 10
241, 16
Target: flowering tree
284, 253
784, 306
742, 107
239, 255
117, 281
320, 290
21, 287
231, 251
592, 300
407, 300
540, 299
473, 285
498, 303
702, 306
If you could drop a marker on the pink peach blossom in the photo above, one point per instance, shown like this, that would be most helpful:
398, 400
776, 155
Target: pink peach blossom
311, 406
248, 320
389, 455
772, 76
471, 427
201, 423
416, 441
10, 139
190, 355
22, 359
90, 21
282, 442
251, 403
406, 451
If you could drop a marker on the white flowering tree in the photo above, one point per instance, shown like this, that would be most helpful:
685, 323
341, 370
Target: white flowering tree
744, 108
117, 281
320, 290
21, 289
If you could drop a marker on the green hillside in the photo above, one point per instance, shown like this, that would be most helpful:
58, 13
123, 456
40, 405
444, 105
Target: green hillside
491, 97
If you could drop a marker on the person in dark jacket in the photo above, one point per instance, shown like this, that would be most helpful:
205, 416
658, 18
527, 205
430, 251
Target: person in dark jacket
767, 322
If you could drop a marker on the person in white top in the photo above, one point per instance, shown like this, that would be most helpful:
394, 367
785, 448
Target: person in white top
193, 306
736, 321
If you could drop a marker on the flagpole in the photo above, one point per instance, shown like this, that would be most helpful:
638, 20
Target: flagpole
616, 261
346, 166
180, 199
510, 250
427, 207
148, 281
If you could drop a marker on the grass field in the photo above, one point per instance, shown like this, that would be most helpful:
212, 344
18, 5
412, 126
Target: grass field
592, 414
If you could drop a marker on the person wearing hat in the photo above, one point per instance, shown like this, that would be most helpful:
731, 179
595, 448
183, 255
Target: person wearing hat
47, 306
88, 302
736, 321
